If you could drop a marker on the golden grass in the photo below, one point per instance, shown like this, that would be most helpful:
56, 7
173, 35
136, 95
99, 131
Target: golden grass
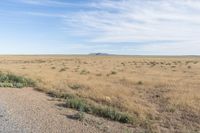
153, 88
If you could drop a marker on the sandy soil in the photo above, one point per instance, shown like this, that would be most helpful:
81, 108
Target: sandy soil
26, 110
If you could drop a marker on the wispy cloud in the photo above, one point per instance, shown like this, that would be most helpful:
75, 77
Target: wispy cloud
131, 20
43, 14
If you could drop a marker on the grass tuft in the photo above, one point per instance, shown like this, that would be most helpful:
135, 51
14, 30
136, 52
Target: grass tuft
75, 86
113, 73
63, 69
84, 72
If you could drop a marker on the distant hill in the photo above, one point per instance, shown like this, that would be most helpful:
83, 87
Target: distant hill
100, 54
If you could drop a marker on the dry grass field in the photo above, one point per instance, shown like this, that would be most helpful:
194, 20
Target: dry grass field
161, 93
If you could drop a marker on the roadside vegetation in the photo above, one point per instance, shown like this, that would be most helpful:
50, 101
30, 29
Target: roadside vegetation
13, 81
82, 105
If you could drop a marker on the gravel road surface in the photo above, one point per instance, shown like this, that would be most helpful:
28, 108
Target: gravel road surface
29, 111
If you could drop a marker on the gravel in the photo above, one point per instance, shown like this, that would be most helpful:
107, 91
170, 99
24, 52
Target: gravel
28, 111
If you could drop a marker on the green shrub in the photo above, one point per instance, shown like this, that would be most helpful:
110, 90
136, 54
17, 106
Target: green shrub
77, 104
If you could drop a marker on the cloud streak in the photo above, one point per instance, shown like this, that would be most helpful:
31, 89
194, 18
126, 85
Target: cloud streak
45, 2
145, 20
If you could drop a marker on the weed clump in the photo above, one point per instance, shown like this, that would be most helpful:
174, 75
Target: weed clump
84, 72
62, 70
74, 86
113, 73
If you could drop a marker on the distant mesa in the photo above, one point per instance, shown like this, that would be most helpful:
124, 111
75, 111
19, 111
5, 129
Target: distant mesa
100, 54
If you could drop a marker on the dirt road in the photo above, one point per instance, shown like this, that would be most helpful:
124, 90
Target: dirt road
28, 111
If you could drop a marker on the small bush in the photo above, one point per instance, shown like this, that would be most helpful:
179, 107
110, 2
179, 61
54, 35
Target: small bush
62, 70
84, 72
140, 83
123, 63
113, 73
53, 67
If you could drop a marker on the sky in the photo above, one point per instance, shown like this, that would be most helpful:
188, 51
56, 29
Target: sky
130, 27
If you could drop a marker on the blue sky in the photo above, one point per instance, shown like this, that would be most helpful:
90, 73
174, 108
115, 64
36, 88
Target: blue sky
134, 27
